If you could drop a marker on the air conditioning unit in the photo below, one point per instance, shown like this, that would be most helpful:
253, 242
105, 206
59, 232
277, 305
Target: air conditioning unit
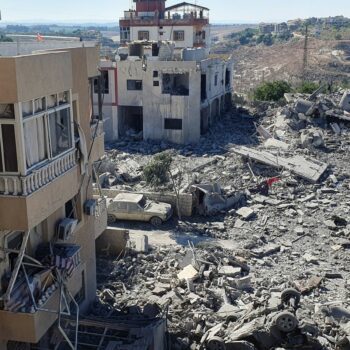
65, 228
90, 207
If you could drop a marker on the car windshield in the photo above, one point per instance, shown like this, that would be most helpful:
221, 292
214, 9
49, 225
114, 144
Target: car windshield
142, 203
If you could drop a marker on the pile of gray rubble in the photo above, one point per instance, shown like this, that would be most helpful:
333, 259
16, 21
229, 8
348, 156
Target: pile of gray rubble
273, 272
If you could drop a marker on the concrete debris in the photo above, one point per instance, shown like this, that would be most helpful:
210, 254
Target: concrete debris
282, 247
308, 169
312, 137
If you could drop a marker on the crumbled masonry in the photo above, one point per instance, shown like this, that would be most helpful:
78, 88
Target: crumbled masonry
273, 271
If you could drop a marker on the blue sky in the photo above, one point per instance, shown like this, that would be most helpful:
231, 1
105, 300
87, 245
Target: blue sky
240, 11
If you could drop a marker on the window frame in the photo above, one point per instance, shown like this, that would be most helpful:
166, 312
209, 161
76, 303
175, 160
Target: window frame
143, 37
174, 120
47, 139
177, 34
135, 82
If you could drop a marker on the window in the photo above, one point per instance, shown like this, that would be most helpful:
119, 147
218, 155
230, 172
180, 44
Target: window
104, 83
176, 84
134, 84
72, 208
216, 79
179, 35
156, 83
122, 206
35, 140
8, 151
60, 132
143, 35
172, 124
155, 74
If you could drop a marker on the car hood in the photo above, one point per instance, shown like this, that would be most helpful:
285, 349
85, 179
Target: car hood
154, 207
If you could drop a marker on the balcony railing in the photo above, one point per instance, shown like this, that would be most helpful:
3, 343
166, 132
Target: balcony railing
14, 185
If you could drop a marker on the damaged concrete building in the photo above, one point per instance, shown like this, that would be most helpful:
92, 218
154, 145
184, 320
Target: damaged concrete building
49, 217
163, 84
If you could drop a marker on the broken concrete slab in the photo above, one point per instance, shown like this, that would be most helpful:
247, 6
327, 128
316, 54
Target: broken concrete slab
274, 143
230, 271
189, 272
306, 286
246, 213
309, 169
303, 106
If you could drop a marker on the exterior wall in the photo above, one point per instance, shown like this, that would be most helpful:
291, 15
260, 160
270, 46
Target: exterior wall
158, 106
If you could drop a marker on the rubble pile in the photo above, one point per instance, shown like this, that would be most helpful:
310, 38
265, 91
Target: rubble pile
284, 249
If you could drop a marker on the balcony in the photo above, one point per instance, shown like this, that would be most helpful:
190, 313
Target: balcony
24, 186
20, 320
26, 201
100, 217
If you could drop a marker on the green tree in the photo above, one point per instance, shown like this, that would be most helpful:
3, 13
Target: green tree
271, 91
158, 172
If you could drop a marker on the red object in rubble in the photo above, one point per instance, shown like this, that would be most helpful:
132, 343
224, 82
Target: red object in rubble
271, 181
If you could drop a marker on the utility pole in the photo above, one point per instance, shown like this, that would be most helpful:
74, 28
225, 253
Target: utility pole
306, 46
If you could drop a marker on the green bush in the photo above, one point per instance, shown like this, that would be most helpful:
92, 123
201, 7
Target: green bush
307, 87
4, 38
271, 91
156, 172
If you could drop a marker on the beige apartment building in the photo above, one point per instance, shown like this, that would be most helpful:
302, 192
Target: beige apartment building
49, 219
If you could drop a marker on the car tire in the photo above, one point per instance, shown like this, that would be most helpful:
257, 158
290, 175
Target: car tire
156, 221
111, 219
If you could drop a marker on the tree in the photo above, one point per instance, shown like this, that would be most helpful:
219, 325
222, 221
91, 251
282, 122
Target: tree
272, 91
4, 38
158, 172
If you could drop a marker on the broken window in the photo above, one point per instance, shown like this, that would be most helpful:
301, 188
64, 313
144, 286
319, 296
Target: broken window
155, 74
134, 85
104, 83
8, 149
143, 35
172, 124
60, 131
216, 79
176, 84
71, 210
156, 83
179, 35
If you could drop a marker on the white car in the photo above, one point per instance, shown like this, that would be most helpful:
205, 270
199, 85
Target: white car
135, 207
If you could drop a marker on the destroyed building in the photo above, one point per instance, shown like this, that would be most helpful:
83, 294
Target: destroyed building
163, 84
49, 218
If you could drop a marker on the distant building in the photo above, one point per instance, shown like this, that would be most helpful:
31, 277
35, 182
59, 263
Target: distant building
266, 28
281, 28
162, 84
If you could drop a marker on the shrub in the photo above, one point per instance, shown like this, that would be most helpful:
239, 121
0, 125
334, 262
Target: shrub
271, 91
307, 87
156, 172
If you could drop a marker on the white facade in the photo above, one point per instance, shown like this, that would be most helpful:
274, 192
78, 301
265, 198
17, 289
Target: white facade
168, 33
161, 108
